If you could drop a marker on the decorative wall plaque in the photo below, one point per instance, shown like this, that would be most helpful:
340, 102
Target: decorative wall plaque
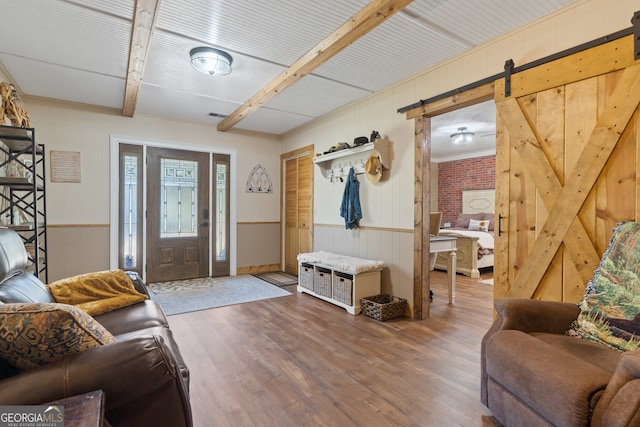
65, 166
259, 181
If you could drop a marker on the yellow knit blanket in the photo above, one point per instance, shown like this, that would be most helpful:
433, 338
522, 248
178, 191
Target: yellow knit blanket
97, 293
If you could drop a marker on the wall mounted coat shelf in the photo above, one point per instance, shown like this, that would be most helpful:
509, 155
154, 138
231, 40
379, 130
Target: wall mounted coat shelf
337, 164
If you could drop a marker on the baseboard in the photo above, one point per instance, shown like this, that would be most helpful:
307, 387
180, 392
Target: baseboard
258, 269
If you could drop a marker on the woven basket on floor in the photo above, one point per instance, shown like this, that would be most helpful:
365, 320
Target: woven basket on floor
383, 307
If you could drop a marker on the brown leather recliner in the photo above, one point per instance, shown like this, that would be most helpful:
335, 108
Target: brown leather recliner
143, 375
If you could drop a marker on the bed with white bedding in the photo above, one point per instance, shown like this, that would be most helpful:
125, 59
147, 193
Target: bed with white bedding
474, 229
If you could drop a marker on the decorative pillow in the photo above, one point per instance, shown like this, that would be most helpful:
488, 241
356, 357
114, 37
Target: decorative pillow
482, 225
463, 219
32, 335
610, 310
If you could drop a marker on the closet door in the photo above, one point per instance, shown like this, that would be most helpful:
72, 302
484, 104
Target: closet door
567, 169
298, 202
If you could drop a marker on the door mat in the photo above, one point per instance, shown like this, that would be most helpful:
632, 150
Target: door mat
278, 278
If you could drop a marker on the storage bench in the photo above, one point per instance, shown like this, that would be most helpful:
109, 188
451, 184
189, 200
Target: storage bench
339, 279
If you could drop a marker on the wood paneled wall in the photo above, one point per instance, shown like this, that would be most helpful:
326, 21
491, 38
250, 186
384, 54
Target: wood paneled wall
392, 246
258, 247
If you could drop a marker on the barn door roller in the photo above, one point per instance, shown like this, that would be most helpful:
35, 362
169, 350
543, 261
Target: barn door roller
508, 69
635, 21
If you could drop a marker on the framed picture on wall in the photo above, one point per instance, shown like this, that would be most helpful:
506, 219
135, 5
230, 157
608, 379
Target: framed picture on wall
65, 166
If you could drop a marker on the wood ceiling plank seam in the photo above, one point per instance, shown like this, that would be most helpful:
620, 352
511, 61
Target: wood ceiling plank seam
119, 8
490, 19
99, 40
613, 120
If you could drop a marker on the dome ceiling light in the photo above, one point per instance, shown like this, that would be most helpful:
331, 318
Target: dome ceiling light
211, 61
462, 136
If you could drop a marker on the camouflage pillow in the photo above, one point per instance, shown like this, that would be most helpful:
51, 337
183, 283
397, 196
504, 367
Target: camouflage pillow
610, 310
32, 335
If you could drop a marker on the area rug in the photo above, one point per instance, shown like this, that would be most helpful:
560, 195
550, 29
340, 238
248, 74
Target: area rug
183, 296
278, 278
486, 281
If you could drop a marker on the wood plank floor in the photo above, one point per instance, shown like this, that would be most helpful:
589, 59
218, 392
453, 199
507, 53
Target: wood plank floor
300, 361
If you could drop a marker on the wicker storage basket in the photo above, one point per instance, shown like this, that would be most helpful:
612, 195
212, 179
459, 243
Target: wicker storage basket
322, 282
343, 288
305, 275
383, 307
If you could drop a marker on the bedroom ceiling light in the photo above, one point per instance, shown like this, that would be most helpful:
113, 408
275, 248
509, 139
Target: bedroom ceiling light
211, 61
462, 136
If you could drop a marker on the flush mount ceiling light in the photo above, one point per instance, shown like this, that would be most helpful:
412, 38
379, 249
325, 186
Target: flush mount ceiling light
462, 136
211, 61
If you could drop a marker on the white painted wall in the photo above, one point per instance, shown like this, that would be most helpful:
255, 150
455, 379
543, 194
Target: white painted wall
70, 127
389, 204
80, 211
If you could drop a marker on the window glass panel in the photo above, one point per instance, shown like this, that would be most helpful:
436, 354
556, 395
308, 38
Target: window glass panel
221, 212
178, 198
171, 203
130, 228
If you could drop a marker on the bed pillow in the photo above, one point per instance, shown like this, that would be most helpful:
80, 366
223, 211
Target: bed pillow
463, 219
482, 225
32, 335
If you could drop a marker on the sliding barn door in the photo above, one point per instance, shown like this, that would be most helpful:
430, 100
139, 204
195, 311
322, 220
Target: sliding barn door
567, 169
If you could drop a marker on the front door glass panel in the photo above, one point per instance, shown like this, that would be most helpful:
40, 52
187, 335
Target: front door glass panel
130, 228
178, 198
221, 211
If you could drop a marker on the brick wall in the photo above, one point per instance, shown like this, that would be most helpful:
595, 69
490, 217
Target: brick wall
470, 174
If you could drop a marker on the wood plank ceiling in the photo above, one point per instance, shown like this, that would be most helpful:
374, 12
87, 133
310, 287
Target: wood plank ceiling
133, 56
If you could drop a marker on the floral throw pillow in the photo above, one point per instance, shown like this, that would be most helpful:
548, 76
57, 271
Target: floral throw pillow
610, 310
32, 335
479, 225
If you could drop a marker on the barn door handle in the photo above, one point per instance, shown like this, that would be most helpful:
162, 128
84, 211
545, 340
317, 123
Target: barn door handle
499, 224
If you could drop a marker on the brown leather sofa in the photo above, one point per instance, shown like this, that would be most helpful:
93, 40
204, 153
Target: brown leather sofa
142, 374
535, 375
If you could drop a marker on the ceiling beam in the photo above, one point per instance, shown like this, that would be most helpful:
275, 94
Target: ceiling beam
372, 15
144, 20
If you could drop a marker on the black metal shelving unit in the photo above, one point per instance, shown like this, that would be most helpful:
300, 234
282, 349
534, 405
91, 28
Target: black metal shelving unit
24, 193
